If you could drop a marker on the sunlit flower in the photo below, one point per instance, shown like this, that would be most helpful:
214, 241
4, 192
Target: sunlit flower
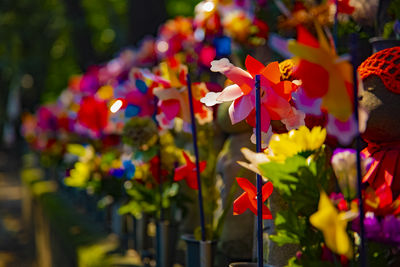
275, 94
295, 142
323, 73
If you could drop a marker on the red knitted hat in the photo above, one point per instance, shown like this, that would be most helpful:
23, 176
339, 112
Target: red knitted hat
386, 65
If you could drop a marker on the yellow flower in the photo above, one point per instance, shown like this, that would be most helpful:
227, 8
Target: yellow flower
286, 145
333, 226
78, 176
105, 92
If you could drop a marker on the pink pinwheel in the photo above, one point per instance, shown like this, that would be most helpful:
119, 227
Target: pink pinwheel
174, 101
248, 200
188, 172
275, 94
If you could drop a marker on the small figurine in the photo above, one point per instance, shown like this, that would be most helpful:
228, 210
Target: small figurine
380, 97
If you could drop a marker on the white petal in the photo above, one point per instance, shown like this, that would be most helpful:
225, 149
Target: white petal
210, 99
220, 65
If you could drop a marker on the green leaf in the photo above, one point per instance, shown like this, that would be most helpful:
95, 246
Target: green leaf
283, 237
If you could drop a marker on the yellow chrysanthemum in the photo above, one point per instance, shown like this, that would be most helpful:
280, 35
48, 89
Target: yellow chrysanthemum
286, 145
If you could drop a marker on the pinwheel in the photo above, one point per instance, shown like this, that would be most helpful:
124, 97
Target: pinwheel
93, 114
380, 201
275, 95
248, 200
323, 73
174, 101
188, 172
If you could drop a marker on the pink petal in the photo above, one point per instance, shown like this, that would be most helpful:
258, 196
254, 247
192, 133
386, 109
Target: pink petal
277, 106
170, 108
343, 131
230, 93
241, 77
240, 109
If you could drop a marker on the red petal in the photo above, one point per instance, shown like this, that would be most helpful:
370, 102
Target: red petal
285, 89
304, 37
191, 180
180, 173
247, 187
189, 163
241, 204
266, 213
253, 66
314, 77
203, 165
170, 108
272, 72
267, 191
265, 119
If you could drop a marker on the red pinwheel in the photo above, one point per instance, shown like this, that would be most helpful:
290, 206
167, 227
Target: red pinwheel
188, 172
248, 200
380, 201
93, 114
344, 7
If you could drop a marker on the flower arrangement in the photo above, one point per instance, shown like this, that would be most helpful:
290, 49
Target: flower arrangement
124, 129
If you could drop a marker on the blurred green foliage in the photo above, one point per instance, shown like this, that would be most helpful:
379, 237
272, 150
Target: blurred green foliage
44, 42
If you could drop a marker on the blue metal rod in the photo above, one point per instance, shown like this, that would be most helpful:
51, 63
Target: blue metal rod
196, 154
363, 249
259, 178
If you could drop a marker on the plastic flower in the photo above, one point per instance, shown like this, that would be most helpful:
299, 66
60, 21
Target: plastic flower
299, 141
207, 18
79, 176
85, 153
255, 159
174, 101
333, 226
344, 7
139, 99
237, 25
93, 114
188, 172
380, 201
276, 94
323, 74
248, 200
344, 165
385, 230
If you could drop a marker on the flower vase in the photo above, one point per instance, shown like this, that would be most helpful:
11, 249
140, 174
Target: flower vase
379, 43
246, 264
199, 253
166, 240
